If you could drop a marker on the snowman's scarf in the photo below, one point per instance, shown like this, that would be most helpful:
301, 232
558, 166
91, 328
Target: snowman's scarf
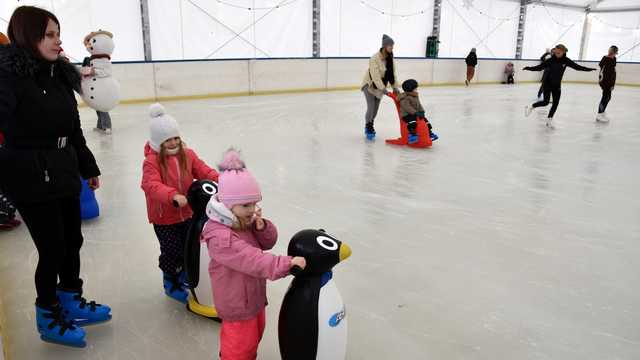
100, 56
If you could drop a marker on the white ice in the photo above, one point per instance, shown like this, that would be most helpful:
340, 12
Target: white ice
506, 240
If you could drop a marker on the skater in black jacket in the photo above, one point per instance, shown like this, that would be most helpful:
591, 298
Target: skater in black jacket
607, 81
555, 67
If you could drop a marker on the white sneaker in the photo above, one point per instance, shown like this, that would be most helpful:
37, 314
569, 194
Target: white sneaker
527, 110
550, 123
107, 131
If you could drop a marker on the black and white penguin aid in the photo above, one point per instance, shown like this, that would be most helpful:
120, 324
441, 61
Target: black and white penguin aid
313, 322
196, 255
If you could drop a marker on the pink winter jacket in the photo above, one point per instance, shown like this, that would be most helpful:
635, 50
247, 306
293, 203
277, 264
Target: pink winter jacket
239, 268
159, 193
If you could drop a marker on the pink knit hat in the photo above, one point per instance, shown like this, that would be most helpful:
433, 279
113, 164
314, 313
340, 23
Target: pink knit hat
236, 185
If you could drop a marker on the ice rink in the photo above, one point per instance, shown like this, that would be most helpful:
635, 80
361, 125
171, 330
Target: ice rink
506, 240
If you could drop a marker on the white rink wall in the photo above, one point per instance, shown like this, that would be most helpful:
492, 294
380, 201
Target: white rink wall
184, 79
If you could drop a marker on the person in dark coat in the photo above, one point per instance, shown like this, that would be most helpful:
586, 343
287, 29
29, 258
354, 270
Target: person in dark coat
42, 160
555, 66
607, 81
471, 61
546, 56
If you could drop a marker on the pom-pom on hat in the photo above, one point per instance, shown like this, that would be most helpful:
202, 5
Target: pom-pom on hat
162, 126
236, 185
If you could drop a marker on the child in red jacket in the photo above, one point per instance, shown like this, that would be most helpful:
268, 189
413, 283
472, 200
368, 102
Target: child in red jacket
169, 168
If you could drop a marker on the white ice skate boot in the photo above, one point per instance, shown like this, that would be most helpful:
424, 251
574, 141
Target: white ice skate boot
527, 110
602, 117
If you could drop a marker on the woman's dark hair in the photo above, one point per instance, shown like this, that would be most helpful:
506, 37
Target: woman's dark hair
384, 52
27, 27
615, 48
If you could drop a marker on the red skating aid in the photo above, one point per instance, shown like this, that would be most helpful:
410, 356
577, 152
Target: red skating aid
424, 140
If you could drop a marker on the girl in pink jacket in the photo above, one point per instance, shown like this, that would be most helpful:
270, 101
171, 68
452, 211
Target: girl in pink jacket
169, 168
237, 237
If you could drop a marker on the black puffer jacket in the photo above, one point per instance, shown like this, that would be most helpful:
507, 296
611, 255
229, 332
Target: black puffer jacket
37, 107
554, 70
472, 59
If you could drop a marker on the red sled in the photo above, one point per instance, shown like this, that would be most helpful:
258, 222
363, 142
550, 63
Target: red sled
422, 130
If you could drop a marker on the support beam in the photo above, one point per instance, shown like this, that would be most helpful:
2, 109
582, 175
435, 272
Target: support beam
146, 30
586, 32
616, 10
522, 20
437, 10
316, 28
557, 5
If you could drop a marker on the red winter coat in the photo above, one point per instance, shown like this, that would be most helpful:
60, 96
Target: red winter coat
159, 193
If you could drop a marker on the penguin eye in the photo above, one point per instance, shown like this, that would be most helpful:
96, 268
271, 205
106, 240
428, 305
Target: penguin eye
327, 243
209, 189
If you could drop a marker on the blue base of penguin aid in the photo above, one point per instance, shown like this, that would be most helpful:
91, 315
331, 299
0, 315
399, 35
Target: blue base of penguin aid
313, 322
89, 208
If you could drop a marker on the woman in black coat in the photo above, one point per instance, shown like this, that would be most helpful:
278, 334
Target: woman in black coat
41, 162
607, 81
554, 67
471, 61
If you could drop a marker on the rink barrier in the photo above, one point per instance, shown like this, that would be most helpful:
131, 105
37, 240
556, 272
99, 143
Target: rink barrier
143, 82
4, 349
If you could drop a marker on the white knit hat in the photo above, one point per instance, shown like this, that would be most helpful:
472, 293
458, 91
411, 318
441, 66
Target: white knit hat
163, 127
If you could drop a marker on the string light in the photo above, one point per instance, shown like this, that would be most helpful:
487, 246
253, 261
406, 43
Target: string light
614, 26
551, 16
491, 16
403, 16
256, 8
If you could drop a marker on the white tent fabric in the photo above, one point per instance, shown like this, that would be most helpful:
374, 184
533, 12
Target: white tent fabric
491, 26
207, 29
548, 26
355, 28
620, 29
78, 18
200, 29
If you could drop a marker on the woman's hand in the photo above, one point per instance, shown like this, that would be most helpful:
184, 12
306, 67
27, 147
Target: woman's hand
94, 183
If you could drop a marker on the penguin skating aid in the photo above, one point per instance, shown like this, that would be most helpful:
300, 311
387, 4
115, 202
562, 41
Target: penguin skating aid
196, 261
313, 322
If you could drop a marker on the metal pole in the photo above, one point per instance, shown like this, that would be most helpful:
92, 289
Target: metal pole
316, 28
146, 29
522, 21
437, 8
586, 31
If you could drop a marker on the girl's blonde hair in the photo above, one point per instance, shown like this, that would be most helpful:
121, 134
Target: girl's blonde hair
182, 159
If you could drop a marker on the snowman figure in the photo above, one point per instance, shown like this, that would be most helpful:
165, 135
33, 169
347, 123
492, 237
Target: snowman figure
99, 89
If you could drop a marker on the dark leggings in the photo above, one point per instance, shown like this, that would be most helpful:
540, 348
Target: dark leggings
548, 93
55, 229
172, 238
606, 97
412, 122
